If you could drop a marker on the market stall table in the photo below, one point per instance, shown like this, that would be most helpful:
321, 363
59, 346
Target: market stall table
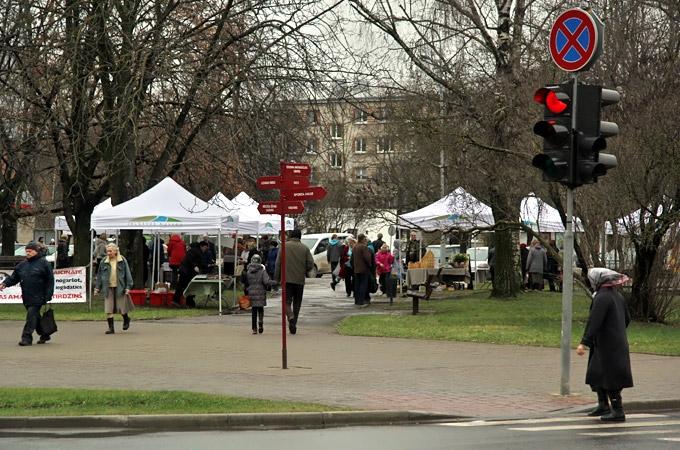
416, 277
202, 286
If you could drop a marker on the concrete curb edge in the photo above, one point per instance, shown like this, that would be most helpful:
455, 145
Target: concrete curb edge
195, 422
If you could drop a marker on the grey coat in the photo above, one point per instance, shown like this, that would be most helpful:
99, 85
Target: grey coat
537, 261
257, 281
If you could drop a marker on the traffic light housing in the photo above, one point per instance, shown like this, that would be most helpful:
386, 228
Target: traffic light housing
555, 129
591, 134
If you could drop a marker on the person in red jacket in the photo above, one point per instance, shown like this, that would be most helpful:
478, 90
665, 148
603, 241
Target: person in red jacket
177, 250
384, 260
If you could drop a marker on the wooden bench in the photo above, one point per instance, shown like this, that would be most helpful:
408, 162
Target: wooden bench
10, 262
430, 284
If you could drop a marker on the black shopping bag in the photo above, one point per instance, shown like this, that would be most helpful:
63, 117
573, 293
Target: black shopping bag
47, 325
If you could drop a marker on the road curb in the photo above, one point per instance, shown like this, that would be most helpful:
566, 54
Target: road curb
189, 422
636, 406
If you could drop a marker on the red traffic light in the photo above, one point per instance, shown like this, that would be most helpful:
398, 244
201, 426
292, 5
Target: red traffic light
552, 100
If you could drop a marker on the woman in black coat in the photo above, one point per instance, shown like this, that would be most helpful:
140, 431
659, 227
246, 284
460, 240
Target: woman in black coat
609, 361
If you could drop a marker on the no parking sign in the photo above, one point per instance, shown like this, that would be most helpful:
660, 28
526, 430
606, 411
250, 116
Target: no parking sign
576, 40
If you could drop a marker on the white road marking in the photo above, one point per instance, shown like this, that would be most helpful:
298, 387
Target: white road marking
663, 423
621, 433
487, 423
669, 439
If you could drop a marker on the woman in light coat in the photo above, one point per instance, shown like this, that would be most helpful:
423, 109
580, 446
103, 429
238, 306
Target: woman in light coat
114, 281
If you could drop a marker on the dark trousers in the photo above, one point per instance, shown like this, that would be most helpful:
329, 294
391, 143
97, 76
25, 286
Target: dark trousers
293, 300
335, 279
182, 283
257, 312
175, 276
361, 288
349, 280
382, 279
32, 318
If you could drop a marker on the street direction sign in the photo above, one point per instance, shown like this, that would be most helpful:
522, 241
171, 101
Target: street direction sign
281, 207
307, 193
271, 182
289, 169
576, 40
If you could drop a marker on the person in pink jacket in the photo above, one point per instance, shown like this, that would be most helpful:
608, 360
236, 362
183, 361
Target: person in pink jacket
383, 262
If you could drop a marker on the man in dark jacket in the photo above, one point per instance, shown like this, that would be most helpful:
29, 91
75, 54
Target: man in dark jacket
192, 264
333, 253
37, 287
605, 335
299, 262
362, 262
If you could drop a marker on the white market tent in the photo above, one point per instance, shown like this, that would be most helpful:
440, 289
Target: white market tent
541, 217
251, 221
166, 207
458, 209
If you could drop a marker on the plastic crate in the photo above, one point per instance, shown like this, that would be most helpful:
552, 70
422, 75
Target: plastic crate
138, 296
160, 298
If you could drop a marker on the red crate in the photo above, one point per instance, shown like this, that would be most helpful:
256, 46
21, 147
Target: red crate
160, 298
138, 296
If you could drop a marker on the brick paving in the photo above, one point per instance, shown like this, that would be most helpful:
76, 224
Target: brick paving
219, 355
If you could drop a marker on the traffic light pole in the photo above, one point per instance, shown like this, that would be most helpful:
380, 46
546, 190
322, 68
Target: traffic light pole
568, 259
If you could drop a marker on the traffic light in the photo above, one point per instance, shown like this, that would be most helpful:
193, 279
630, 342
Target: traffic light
591, 132
555, 129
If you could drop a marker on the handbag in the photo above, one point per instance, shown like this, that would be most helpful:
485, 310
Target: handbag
130, 304
336, 271
46, 324
372, 284
244, 302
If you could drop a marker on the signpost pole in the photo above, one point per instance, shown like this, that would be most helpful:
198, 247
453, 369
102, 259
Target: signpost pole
284, 351
568, 260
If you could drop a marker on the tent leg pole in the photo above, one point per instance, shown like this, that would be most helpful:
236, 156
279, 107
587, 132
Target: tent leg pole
89, 307
219, 268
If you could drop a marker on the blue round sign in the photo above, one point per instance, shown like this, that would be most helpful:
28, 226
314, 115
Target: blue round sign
575, 40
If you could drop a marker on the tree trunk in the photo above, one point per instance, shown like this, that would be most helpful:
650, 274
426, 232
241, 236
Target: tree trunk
9, 232
639, 302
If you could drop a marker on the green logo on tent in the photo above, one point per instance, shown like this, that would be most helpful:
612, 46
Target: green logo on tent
230, 219
268, 225
155, 219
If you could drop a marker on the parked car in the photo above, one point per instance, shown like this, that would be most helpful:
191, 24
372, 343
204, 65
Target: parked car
318, 243
51, 252
478, 259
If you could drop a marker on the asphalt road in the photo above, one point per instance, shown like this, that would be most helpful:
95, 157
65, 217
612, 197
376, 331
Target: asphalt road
648, 431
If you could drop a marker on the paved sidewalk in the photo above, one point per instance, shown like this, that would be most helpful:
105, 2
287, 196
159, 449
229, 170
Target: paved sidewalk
219, 355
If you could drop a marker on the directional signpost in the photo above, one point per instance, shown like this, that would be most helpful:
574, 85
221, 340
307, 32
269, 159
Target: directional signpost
293, 183
575, 44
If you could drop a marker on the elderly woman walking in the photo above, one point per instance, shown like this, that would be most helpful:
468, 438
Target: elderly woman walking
114, 281
609, 360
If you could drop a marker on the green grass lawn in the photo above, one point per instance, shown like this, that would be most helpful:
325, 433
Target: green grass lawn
534, 318
79, 311
72, 402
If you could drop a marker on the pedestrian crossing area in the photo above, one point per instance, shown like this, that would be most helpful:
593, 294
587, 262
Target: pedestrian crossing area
659, 427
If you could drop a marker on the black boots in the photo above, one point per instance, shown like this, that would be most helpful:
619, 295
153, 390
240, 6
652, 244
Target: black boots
616, 414
126, 321
292, 326
110, 330
261, 329
602, 404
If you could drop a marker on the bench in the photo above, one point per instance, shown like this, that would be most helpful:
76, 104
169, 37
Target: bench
10, 262
431, 282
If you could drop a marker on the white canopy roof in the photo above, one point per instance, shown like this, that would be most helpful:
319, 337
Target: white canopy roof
541, 217
250, 219
165, 207
458, 209
60, 223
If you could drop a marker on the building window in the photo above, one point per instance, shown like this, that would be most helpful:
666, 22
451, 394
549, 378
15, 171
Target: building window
336, 160
361, 173
311, 147
360, 116
312, 116
382, 114
336, 131
360, 145
384, 145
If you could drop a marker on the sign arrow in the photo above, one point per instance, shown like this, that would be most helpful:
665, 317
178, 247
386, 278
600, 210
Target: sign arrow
289, 169
307, 193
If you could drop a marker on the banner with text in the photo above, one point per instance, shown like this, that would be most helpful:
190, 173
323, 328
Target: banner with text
69, 287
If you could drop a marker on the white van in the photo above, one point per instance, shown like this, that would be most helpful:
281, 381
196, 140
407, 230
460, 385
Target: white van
318, 243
